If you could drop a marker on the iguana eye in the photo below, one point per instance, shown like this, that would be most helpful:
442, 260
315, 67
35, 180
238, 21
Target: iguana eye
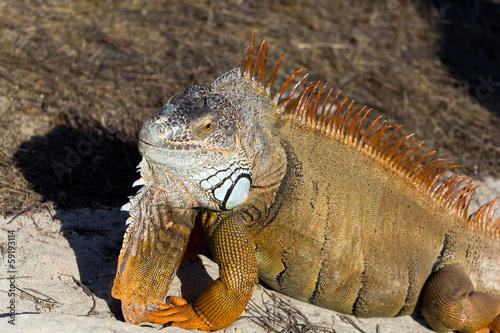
207, 127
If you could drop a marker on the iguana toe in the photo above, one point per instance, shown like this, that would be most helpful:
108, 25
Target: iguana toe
180, 314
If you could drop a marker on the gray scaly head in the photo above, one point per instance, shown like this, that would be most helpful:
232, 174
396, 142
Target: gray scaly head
195, 138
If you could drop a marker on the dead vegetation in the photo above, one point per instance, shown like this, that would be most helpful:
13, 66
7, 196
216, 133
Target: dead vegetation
278, 315
78, 78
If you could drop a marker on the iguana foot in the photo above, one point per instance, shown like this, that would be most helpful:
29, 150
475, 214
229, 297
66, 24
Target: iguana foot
180, 314
449, 302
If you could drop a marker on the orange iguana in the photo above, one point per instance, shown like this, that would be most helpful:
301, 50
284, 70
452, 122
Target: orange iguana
293, 191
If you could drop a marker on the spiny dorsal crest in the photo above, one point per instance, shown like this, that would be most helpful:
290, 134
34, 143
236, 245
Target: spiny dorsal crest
386, 145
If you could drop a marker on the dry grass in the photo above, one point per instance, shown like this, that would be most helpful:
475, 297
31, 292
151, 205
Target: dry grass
277, 315
76, 80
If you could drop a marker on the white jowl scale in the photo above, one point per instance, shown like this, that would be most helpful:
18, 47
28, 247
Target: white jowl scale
230, 187
239, 193
221, 192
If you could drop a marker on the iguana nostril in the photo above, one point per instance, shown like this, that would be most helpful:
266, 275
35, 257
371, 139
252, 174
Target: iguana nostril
164, 132
155, 134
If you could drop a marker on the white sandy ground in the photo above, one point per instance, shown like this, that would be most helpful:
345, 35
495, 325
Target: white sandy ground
65, 262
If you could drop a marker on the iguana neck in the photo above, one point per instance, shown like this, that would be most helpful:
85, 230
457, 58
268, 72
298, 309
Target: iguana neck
258, 135
163, 187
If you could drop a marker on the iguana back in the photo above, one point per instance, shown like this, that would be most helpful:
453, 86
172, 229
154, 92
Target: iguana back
359, 238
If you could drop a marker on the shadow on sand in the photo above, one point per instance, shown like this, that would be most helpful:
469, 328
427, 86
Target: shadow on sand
80, 171
470, 46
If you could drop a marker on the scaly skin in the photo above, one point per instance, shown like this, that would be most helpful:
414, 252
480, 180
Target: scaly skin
320, 209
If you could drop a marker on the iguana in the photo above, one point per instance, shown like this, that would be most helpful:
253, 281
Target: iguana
292, 189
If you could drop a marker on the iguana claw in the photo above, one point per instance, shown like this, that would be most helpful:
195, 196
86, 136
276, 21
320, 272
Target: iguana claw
180, 314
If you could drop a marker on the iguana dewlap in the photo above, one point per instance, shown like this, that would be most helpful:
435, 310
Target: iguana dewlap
294, 191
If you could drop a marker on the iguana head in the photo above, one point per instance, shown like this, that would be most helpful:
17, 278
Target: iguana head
195, 136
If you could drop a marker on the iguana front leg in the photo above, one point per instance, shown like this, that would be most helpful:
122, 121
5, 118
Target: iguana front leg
225, 299
449, 302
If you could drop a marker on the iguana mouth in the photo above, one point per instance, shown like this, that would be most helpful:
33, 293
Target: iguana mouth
172, 146
147, 143
183, 147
